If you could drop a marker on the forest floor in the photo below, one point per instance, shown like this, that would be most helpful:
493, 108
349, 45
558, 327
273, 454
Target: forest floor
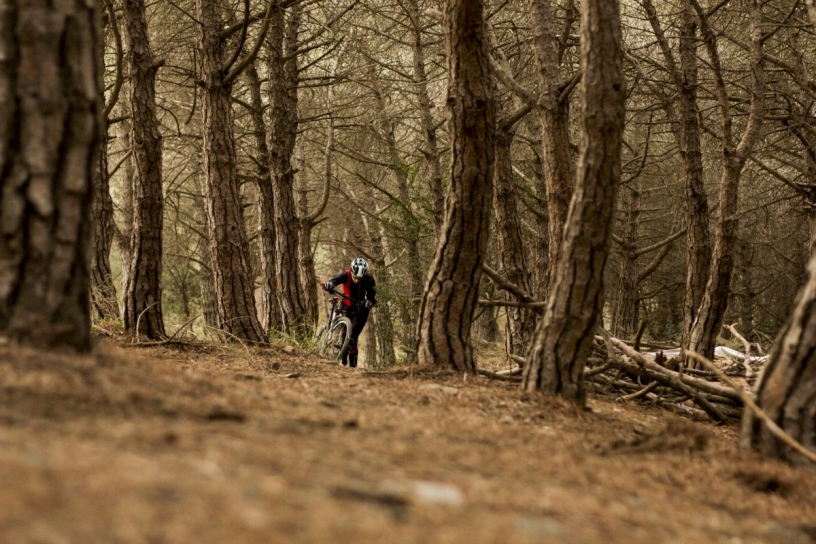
213, 444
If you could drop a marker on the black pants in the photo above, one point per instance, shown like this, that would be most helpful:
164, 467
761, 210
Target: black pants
358, 317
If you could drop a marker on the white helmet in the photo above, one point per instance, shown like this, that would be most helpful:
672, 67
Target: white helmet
359, 267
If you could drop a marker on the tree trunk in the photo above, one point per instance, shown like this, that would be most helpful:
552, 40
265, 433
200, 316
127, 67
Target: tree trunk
103, 292
283, 101
426, 117
271, 318
520, 322
452, 289
229, 247
50, 133
707, 324
122, 234
625, 317
698, 243
305, 257
788, 389
143, 297
564, 337
687, 134
554, 119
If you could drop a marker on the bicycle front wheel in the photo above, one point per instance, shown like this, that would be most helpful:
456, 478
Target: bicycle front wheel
322, 340
338, 338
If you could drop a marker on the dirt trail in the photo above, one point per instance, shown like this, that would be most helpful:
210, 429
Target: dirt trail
226, 445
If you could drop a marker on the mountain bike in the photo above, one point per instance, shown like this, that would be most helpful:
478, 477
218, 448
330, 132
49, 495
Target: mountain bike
333, 338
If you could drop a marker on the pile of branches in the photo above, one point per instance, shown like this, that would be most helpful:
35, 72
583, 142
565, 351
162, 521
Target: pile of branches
616, 368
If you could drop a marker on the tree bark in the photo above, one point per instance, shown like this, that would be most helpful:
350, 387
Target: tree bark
520, 322
123, 232
707, 324
229, 247
271, 318
698, 243
143, 297
625, 317
554, 119
103, 292
788, 389
449, 300
50, 132
564, 337
283, 101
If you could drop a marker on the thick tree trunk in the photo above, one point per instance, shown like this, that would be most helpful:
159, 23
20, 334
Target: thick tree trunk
50, 133
283, 101
103, 292
554, 119
427, 123
520, 322
143, 303
229, 247
564, 337
788, 389
271, 318
452, 289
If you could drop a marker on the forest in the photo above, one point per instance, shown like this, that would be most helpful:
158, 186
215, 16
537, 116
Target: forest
592, 226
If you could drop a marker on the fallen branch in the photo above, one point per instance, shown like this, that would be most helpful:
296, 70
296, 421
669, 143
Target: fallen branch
746, 363
494, 376
748, 400
642, 392
696, 383
674, 383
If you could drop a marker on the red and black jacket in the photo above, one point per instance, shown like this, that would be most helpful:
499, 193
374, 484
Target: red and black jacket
360, 291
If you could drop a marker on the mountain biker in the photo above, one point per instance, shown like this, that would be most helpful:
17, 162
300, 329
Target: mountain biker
358, 285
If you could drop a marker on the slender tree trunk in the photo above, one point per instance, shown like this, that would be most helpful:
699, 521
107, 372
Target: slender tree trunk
123, 234
452, 289
625, 317
707, 324
564, 337
305, 257
541, 270
143, 304
698, 243
687, 134
229, 247
50, 132
271, 318
283, 100
788, 389
520, 322
428, 125
554, 119
103, 292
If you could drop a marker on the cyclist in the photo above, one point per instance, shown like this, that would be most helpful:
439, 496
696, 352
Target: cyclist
358, 285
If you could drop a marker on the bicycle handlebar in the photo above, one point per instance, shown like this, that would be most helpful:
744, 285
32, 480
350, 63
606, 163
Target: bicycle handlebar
333, 292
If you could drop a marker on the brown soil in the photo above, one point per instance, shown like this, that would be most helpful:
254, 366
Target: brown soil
216, 445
